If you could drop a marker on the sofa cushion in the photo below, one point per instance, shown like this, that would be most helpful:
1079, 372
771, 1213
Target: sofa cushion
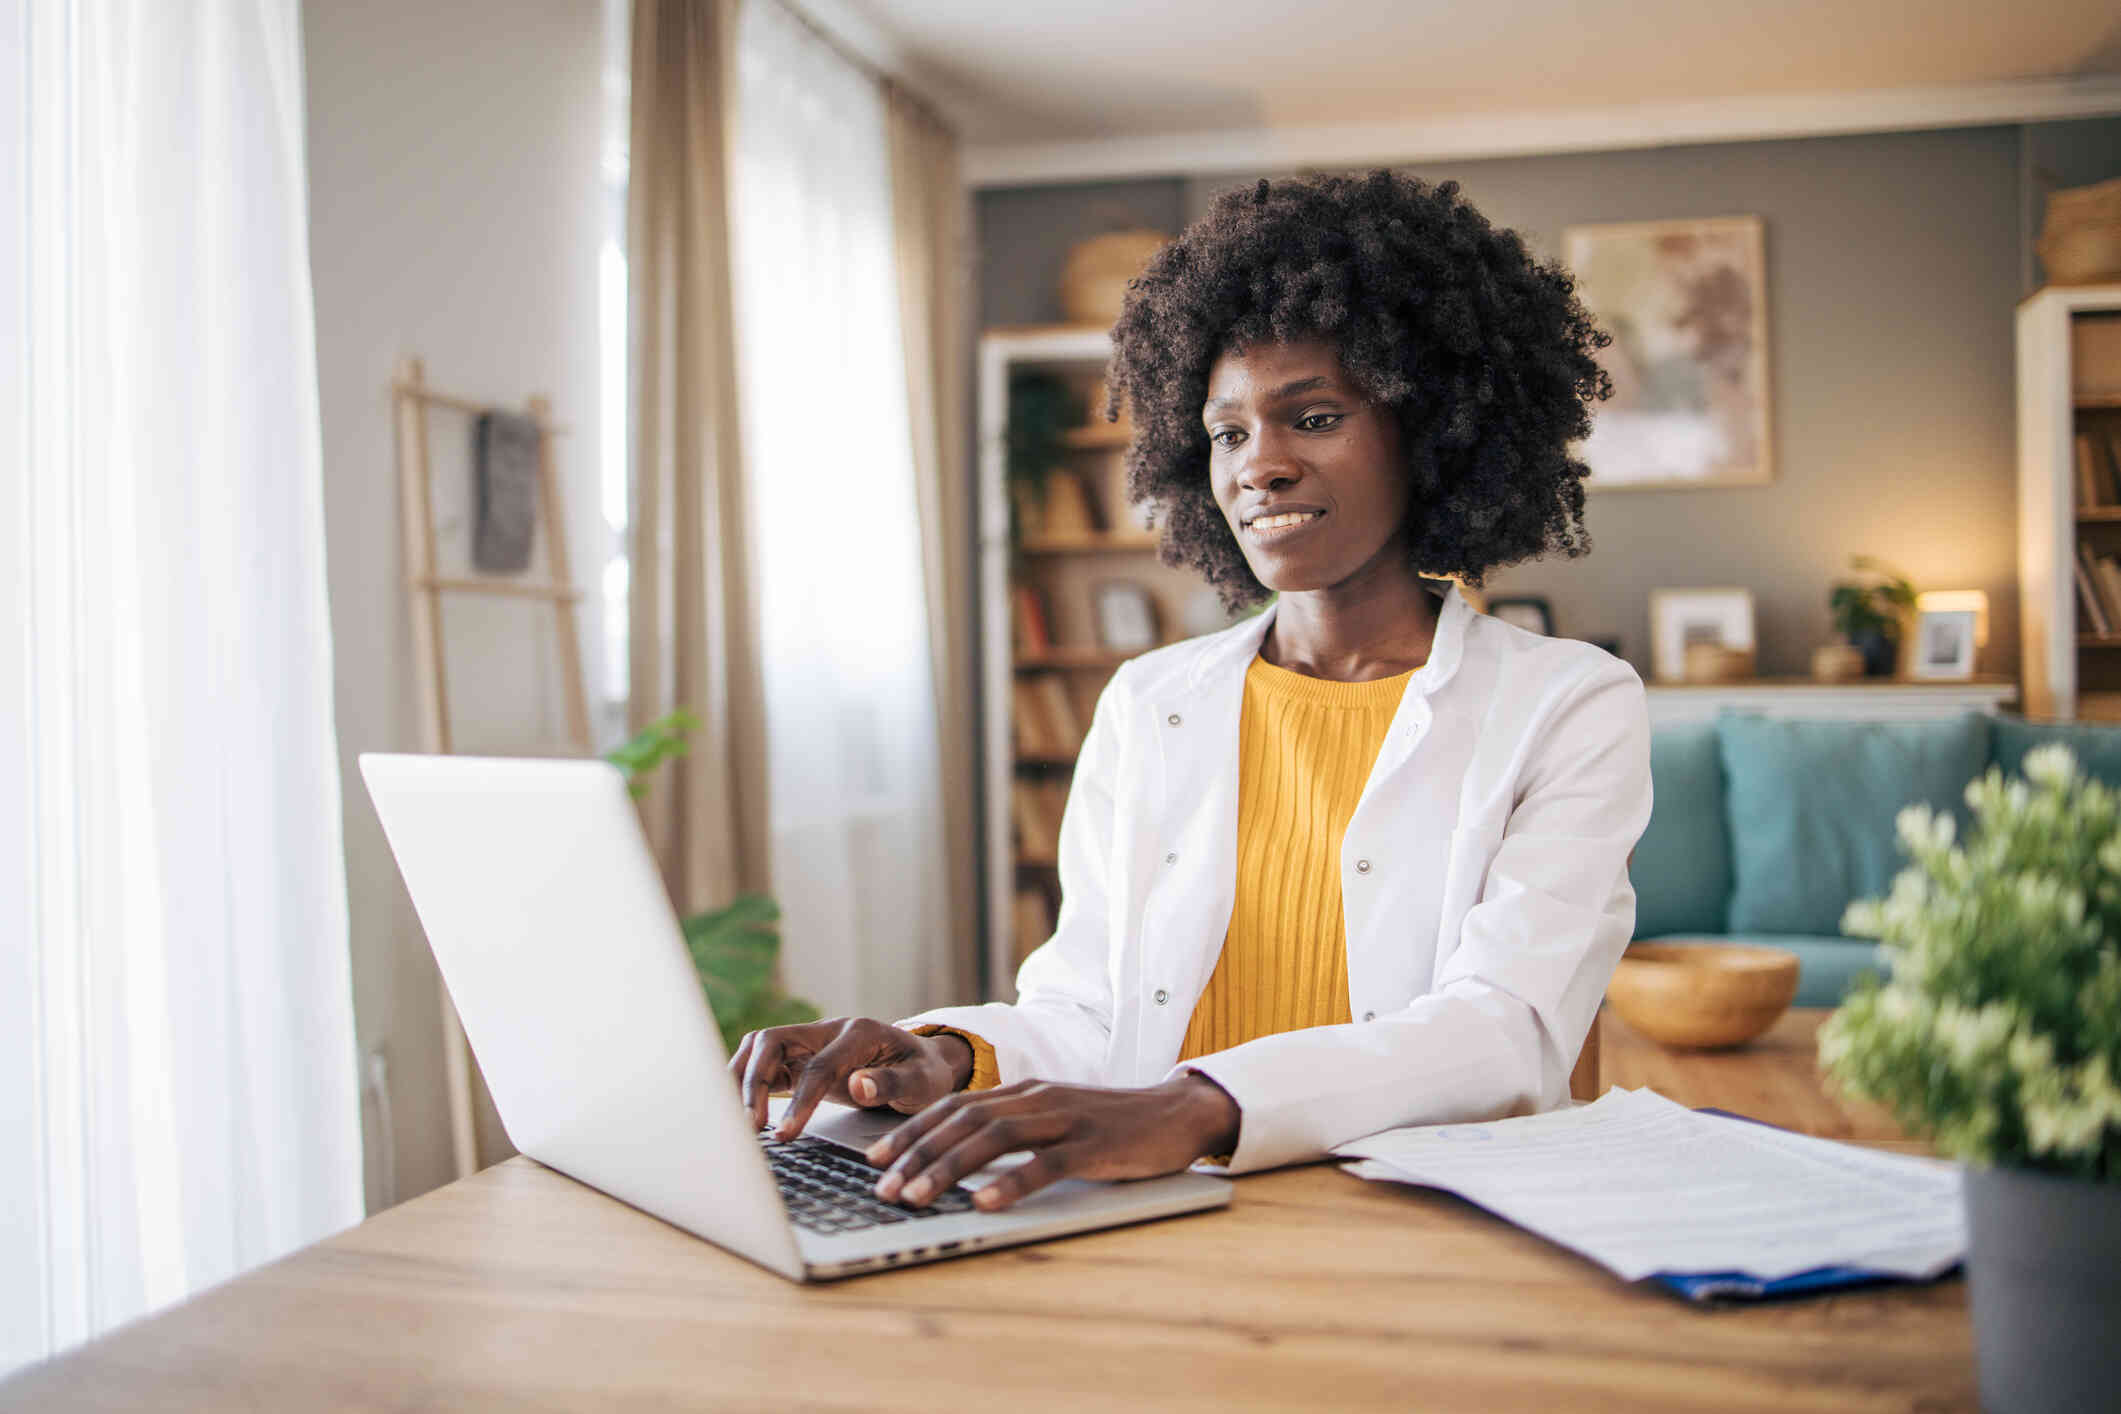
2097, 745
1811, 806
1682, 868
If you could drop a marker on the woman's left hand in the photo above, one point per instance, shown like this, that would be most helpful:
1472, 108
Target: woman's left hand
1072, 1131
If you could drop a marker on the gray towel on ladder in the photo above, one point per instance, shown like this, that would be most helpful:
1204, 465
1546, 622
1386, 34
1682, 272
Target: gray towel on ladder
505, 458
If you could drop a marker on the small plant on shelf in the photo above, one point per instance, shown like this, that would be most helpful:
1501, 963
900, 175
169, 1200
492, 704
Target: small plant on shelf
1870, 616
734, 948
1041, 410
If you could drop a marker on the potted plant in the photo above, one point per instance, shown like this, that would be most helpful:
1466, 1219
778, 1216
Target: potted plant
1999, 1035
735, 948
1872, 617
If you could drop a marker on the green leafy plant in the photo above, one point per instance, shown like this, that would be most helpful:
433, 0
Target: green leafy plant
1861, 608
1999, 1032
735, 948
1041, 410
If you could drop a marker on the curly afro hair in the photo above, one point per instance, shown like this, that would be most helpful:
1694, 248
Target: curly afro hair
1485, 355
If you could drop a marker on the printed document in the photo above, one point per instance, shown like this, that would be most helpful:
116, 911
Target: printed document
1644, 1186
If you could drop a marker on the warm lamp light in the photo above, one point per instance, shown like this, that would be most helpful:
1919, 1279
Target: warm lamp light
1946, 600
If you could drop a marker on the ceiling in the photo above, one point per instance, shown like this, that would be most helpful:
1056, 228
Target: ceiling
1023, 75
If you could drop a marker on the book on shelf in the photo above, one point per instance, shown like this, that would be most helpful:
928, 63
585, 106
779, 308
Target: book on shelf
1035, 734
2106, 574
1033, 637
1058, 711
2095, 615
2088, 487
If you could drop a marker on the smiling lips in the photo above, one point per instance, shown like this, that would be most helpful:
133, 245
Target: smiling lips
1281, 523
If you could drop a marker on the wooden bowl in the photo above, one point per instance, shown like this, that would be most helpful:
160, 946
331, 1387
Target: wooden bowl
1702, 996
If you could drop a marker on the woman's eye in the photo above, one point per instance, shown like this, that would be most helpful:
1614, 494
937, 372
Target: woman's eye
1319, 421
1225, 436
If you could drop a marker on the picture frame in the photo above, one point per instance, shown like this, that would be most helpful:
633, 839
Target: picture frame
1680, 617
1686, 305
1125, 613
1945, 644
1530, 612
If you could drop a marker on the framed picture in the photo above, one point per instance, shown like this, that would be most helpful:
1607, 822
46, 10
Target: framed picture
1944, 644
1126, 616
1686, 304
1682, 617
1527, 611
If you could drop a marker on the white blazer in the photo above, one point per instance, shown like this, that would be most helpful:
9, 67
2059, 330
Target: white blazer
1483, 877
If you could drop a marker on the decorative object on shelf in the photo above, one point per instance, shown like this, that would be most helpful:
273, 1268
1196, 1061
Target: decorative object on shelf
1705, 996
1680, 618
1063, 512
2080, 242
1950, 626
1714, 662
1999, 1035
1526, 611
1686, 304
1094, 277
1836, 662
1873, 617
1126, 616
734, 949
1609, 645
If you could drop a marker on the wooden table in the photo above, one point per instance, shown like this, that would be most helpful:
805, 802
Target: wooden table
519, 1288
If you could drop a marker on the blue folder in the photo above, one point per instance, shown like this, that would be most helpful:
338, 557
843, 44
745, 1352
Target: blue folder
1744, 1286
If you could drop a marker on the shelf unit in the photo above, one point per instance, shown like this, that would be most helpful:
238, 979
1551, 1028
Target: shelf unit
1065, 569
2069, 382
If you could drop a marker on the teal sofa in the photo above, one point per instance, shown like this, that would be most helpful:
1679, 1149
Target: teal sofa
1764, 829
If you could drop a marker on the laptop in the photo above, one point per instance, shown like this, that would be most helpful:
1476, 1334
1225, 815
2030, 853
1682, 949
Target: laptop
548, 919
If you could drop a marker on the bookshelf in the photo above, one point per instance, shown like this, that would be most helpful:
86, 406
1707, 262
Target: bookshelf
2069, 501
1040, 687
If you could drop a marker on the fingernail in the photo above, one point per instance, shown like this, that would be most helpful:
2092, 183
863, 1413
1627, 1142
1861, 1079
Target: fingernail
875, 1152
987, 1198
887, 1187
864, 1089
917, 1191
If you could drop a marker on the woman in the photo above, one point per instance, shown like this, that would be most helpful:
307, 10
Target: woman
1360, 861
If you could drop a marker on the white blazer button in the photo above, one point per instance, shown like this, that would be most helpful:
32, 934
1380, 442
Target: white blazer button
1362, 866
1172, 719
1369, 1016
1171, 859
1162, 996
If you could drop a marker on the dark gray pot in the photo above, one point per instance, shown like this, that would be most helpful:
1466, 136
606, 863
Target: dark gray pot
2043, 1270
1881, 655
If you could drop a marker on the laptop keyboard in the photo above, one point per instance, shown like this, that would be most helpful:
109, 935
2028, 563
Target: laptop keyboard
828, 1188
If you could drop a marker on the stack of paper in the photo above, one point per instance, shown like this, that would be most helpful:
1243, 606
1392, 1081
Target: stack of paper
1649, 1188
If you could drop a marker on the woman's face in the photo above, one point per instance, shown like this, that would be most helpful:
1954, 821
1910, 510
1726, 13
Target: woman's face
1307, 471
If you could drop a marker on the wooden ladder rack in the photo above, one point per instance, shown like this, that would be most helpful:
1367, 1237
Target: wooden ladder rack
411, 398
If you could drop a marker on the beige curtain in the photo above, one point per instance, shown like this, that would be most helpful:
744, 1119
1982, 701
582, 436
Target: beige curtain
929, 231
694, 639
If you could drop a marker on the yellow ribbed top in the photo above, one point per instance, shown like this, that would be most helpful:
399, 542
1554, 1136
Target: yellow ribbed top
1305, 749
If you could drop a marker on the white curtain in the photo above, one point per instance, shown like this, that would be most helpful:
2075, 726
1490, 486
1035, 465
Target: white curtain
856, 803
177, 1062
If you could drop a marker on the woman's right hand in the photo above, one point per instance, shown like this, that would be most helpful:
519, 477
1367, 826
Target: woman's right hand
850, 1060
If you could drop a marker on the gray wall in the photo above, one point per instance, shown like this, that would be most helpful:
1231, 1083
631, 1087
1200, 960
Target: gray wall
455, 212
1895, 262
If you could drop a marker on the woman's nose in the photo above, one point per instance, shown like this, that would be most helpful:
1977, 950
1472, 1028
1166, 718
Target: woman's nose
1269, 468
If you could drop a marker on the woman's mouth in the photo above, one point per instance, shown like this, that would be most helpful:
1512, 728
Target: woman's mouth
1282, 524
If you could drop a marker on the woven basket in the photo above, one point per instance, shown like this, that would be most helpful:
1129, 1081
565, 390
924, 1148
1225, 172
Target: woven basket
1093, 283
